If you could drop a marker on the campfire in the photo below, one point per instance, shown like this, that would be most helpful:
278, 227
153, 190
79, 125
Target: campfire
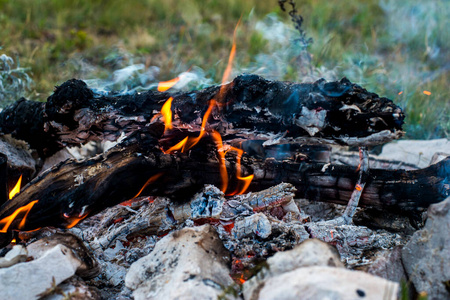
236, 191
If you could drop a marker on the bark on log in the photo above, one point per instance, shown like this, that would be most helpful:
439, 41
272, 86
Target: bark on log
75, 190
250, 107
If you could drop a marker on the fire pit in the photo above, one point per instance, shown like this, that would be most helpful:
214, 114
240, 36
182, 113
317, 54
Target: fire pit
246, 190
198, 189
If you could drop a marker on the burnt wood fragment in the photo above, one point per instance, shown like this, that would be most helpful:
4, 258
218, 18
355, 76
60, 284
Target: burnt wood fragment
75, 190
249, 107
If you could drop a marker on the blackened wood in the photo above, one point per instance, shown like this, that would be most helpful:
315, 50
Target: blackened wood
3, 179
20, 162
249, 107
74, 190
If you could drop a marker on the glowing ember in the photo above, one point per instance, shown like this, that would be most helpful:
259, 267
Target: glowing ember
24, 210
165, 85
228, 227
167, 114
241, 279
427, 93
16, 188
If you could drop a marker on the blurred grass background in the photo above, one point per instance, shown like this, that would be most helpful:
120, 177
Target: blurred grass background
398, 49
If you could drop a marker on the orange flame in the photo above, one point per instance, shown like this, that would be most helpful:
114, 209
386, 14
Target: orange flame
228, 69
166, 112
427, 93
189, 142
222, 166
193, 141
74, 220
165, 85
16, 188
227, 72
6, 222
240, 189
150, 180
178, 146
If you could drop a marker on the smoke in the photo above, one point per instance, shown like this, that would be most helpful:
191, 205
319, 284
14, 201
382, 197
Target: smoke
285, 55
418, 22
138, 77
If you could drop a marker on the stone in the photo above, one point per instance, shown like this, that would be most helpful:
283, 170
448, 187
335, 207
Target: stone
388, 265
16, 255
89, 267
313, 270
426, 256
312, 252
320, 282
28, 280
191, 263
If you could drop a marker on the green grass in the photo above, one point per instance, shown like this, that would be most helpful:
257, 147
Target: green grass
387, 46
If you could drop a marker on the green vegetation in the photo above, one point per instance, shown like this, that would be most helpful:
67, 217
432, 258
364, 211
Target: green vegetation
385, 45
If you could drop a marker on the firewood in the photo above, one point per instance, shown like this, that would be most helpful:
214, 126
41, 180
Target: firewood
74, 190
249, 107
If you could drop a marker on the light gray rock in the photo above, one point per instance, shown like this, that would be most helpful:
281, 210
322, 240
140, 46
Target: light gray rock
89, 267
30, 279
325, 283
313, 270
389, 265
312, 252
16, 255
187, 264
426, 256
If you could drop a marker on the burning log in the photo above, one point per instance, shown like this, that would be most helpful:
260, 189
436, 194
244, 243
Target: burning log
72, 191
249, 107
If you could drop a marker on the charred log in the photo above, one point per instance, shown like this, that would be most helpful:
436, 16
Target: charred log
249, 107
72, 190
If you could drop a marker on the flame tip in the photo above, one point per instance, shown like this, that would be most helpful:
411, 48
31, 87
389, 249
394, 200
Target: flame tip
16, 188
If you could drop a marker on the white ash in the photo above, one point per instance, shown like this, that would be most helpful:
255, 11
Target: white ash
120, 236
